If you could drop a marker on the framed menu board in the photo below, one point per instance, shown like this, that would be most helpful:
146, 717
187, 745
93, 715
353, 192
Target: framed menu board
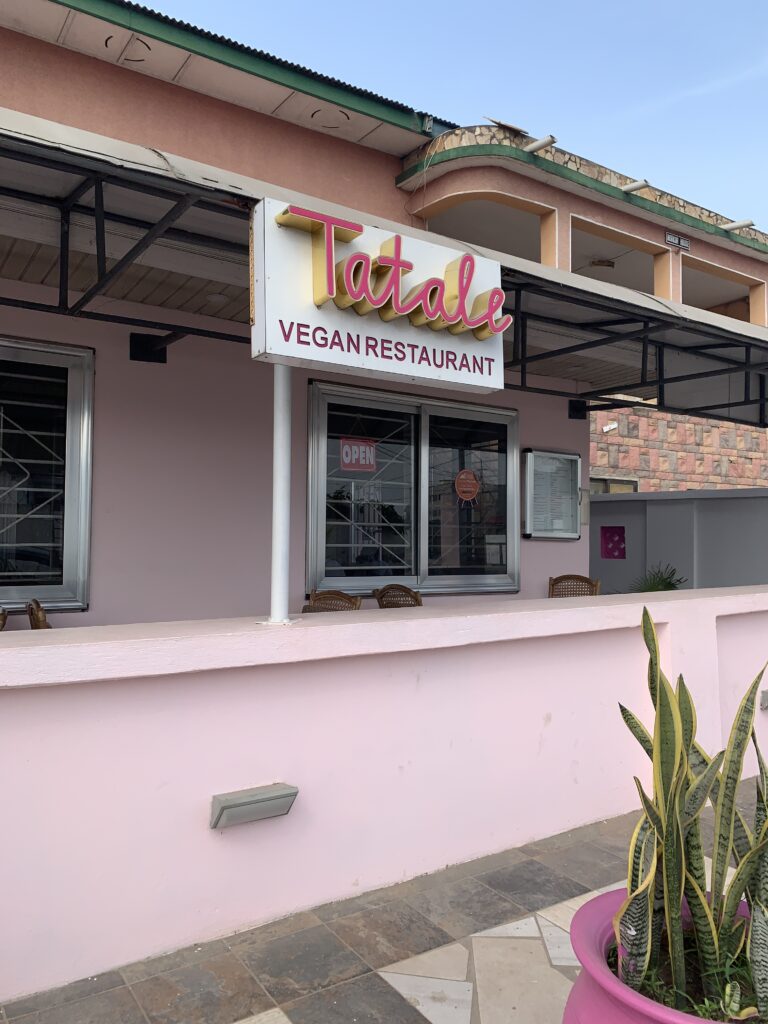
552, 493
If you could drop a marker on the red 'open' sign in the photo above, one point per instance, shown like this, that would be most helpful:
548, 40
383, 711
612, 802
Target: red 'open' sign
358, 454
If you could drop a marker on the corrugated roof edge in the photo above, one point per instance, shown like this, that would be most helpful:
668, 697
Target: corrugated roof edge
162, 27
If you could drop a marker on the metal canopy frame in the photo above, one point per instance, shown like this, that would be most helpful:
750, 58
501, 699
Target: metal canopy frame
182, 196
641, 327
616, 320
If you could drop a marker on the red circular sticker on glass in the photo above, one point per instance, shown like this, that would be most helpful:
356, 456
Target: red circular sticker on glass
466, 485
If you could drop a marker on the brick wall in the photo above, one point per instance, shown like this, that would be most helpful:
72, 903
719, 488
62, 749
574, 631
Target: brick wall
672, 453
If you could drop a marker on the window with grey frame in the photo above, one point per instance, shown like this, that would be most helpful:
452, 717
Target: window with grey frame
413, 491
45, 473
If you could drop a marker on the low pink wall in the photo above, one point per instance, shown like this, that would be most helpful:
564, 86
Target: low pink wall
417, 739
182, 477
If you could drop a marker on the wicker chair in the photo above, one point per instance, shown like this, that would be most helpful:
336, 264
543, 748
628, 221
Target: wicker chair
331, 601
37, 617
395, 595
572, 585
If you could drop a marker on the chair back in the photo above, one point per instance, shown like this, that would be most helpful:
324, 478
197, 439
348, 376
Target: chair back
332, 601
395, 595
37, 617
572, 585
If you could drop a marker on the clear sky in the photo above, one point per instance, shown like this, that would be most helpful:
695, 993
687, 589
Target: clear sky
674, 91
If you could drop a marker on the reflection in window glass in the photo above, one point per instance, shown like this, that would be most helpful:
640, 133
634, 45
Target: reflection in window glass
369, 527
467, 497
33, 434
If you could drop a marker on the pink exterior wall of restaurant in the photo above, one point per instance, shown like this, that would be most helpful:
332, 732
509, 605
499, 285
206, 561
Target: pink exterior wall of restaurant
182, 478
417, 739
91, 94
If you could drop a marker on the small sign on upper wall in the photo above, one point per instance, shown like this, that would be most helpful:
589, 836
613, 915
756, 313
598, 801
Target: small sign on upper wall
671, 238
331, 293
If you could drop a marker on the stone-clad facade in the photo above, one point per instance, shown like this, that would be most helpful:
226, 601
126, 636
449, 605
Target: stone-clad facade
663, 452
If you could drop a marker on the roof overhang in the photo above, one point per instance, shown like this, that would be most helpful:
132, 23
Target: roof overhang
134, 37
571, 336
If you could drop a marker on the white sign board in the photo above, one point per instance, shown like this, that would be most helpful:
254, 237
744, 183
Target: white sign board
337, 295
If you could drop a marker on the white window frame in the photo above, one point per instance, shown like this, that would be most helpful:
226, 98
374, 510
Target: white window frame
321, 395
72, 592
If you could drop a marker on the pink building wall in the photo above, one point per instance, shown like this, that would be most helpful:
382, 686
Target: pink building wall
182, 478
417, 739
91, 94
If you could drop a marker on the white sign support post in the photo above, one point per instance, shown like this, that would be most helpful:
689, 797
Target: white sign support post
281, 494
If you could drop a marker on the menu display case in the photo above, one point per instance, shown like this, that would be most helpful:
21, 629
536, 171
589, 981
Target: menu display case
551, 508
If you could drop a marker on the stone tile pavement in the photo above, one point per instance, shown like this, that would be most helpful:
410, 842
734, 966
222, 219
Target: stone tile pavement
476, 943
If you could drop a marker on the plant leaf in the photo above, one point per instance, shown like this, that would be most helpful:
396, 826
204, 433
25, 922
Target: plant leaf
632, 927
687, 713
742, 837
652, 643
757, 952
700, 790
726, 801
637, 729
673, 868
734, 942
706, 936
667, 749
742, 877
761, 785
638, 850
694, 856
650, 808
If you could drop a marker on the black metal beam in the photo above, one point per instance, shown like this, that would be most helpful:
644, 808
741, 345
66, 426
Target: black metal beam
135, 251
644, 357
63, 259
696, 410
101, 235
660, 375
680, 378
174, 234
584, 346
682, 349
77, 193
31, 197
126, 321
517, 326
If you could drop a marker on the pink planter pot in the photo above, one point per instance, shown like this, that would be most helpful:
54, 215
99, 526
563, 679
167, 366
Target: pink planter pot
598, 997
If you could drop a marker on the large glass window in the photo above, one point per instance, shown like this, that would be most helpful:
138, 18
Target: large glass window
420, 492
467, 497
369, 492
45, 410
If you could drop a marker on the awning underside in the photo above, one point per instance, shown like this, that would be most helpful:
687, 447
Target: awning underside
115, 245
613, 352
169, 257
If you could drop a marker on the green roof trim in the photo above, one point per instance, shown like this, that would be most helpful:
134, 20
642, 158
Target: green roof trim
579, 178
143, 20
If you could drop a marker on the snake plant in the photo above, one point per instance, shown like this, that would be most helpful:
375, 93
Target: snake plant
666, 870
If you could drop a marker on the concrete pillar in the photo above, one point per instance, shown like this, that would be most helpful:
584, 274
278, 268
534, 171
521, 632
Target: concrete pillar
668, 276
548, 232
758, 312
